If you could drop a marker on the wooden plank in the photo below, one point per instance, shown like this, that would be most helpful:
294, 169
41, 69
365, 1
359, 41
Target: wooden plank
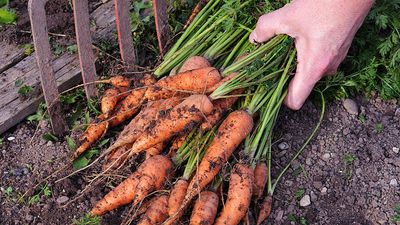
84, 42
66, 69
161, 19
124, 31
44, 58
9, 55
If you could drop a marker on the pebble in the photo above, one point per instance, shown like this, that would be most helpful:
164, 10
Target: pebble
397, 112
62, 199
295, 164
11, 138
324, 190
317, 184
396, 150
308, 161
305, 201
313, 196
283, 146
393, 182
29, 217
279, 215
326, 156
350, 106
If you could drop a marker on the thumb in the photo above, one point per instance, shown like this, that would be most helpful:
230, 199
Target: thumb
268, 25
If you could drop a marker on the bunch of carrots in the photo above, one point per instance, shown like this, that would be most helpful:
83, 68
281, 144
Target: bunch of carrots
213, 114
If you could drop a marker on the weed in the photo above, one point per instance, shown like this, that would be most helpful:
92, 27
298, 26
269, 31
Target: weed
49, 137
44, 191
299, 193
297, 220
396, 217
362, 118
88, 220
1, 141
7, 15
18, 83
25, 90
72, 49
8, 191
28, 49
378, 128
40, 114
70, 143
349, 159
85, 158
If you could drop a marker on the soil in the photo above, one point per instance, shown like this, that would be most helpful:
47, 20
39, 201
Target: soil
349, 170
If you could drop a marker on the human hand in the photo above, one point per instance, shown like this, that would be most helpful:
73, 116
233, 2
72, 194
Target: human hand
323, 31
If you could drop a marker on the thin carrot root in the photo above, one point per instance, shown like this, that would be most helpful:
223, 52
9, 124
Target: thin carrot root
175, 199
149, 177
260, 179
156, 213
205, 209
91, 134
221, 106
239, 196
265, 210
195, 11
230, 134
181, 117
116, 157
182, 84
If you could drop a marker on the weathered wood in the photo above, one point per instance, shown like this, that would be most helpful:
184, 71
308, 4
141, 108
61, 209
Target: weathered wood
44, 59
161, 19
127, 50
84, 42
66, 69
9, 55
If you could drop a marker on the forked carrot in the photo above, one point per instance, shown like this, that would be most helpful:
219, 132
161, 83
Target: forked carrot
150, 176
239, 196
265, 210
156, 213
205, 209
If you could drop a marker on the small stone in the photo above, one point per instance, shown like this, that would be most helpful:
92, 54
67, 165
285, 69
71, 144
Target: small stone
29, 217
350, 106
279, 215
308, 162
393, 182
11, 138
317, 184
49, 143
396, 149
305, 201
324, 190
326, 156
313, 196
62, 199
397, 112
283, 146
295, 164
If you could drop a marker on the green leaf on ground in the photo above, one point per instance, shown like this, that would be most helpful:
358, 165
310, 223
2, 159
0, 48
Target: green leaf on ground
7, 17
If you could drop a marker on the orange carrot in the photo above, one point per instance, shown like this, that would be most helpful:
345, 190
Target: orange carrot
176, 196
150, 176
109, 100
118, 81
181, 117
189, 82
116, 157
230, 134
193, 63
205, 209
176, 144
239, 196
224, 80
220, 107
260, 179
157, 212
155, 150
91, 134
265, 210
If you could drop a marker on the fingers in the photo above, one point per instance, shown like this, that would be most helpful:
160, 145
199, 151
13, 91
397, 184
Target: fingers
268, 26
312, 65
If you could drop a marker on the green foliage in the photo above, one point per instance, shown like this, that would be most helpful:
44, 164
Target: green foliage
40, 114
299, 193
375, 53
72, 49
396, 216
8, 191
88, 220
7, 16
44, 191
25, 90
378, 128
28, 49
85, 158
297, 220
1, 141
349, 159
70, 143
49, 137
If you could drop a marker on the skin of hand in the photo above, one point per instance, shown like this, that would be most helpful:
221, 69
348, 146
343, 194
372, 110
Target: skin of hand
323, 31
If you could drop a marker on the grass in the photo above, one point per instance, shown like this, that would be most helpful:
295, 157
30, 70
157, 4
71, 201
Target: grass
396, 216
